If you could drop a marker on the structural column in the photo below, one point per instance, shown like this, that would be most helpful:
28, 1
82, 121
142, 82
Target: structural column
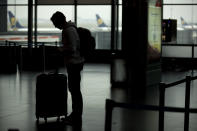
30, 22
134, 45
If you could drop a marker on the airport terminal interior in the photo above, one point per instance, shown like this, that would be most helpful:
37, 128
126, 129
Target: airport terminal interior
141, 75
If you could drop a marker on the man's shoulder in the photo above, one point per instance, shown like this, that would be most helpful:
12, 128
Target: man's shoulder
70, 27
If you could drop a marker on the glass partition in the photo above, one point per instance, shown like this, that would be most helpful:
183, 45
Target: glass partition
97, 18
186, 21
119, 38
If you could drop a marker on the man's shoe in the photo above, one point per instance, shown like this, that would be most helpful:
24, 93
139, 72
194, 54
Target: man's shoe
72, 119
68, 120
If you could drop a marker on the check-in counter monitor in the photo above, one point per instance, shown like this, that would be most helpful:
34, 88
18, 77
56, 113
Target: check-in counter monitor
169, 30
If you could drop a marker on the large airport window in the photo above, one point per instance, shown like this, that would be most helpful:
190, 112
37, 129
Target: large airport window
178, 12
186, 22
182, 28
17, 18
14, 20
120, 1
45, 28
97, 18
179, 1
45, 12
14, 24
17, 1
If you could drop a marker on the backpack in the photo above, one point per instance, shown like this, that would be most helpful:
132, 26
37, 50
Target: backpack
87, 42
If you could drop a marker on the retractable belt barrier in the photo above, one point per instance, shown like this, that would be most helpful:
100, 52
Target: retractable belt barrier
110, 104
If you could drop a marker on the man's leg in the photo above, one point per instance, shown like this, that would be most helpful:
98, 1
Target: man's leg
74, 79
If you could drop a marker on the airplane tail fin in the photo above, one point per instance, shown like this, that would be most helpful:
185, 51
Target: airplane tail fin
13, 22
183, 22
100, 22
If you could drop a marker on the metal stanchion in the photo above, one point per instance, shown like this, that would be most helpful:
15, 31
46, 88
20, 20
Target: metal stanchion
161, 105
108, 114
187, 103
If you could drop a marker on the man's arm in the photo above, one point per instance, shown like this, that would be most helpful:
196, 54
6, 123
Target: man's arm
70, 40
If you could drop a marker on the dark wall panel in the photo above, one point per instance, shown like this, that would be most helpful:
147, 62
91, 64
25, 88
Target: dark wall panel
3, 14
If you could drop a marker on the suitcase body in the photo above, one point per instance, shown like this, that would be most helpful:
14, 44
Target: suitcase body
51, 95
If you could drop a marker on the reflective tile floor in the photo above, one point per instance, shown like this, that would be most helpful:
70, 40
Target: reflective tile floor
17, 103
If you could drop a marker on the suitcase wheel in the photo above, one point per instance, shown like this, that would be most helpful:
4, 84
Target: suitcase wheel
37, 121
45, 119
58, 118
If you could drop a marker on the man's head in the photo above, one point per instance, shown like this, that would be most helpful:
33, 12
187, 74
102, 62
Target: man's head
58, 19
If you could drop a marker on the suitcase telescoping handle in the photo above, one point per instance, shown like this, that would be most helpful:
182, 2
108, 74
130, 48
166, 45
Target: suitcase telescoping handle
44, 58
56, 71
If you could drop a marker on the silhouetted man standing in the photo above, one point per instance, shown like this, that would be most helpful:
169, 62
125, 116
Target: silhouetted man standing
73, 62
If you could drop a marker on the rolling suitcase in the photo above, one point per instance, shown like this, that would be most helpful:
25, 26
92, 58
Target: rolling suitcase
51, 95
